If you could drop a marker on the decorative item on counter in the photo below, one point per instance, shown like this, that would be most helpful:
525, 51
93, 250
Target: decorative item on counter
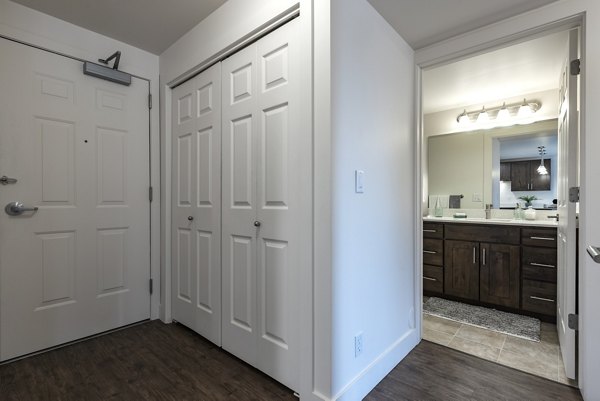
529, 213
460, 215
438, 211
518, 214
528, 199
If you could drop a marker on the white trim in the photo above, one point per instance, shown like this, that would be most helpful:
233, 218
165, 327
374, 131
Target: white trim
379, 368
239, 44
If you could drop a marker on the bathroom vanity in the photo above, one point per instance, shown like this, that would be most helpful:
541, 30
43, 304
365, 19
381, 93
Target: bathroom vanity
500, 263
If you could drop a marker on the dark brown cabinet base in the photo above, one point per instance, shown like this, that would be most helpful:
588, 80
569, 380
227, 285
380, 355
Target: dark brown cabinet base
501, 266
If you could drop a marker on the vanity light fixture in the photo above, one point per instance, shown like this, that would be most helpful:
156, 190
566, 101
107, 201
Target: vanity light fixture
542, 169
499, 115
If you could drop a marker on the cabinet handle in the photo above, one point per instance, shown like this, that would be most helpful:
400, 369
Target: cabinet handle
433, 252
473, 255
543, 238
540, 264
429, 278
429, 231
541, 299
484, 256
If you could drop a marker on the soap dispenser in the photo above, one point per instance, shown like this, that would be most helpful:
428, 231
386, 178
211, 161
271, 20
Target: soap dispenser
438, 211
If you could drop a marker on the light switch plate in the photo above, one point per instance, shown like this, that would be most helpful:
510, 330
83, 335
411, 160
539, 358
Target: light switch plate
476, 197
359, 181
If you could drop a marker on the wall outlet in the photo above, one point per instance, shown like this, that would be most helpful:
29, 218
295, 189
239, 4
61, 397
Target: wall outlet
358, 344
476, 197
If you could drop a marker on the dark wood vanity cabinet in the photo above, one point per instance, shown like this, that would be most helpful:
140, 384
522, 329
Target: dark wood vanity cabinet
505, 168
499, 278
538, 257
461, 269
508, 266
524, 175
433, 258
482, 263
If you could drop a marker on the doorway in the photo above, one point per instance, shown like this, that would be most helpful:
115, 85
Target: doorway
478, 252
74, 248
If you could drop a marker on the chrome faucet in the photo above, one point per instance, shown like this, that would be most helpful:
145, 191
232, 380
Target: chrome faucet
488, 211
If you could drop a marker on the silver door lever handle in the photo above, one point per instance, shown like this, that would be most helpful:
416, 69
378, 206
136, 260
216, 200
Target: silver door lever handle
18, 208
594, 252
4, 180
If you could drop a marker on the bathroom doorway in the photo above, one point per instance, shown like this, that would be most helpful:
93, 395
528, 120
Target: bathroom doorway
499, 270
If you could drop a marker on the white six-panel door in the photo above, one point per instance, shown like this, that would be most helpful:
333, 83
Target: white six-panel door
568, 135
78, 147
196, 200
266, 159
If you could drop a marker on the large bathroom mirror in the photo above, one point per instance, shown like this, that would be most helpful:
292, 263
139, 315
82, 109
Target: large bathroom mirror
496, 166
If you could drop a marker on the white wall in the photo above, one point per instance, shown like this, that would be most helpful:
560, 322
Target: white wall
372, 97
25, 24
589, 229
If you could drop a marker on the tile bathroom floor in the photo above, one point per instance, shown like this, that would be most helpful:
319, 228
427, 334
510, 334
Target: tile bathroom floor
538, 358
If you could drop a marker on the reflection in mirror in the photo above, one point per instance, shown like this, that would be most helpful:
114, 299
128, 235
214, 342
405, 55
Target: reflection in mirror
496, 166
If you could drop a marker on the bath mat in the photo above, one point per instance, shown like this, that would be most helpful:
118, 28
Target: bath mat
503, 322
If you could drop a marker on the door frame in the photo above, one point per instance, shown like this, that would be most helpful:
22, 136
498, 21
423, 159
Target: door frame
153, 177
498, 40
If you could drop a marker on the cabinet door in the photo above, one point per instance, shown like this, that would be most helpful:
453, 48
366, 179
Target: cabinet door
499, 274
540, 182
461, 269
519, 176
505, 171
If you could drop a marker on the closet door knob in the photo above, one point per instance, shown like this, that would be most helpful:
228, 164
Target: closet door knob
257, 223
190, 218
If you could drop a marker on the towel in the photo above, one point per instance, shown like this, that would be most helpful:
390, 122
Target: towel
444, 201
455, 201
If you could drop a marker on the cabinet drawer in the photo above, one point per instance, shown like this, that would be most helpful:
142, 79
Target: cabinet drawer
433, 278
433, 251
539, 264
433, 230
480, 233
539, 297
545, 237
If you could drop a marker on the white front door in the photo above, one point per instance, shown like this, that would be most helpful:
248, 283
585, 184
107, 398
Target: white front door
266, 204
79, 148
568, 143
196, 200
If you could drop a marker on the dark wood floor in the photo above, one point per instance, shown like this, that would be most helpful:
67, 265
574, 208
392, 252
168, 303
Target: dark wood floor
151, 361
434, 372
154, 361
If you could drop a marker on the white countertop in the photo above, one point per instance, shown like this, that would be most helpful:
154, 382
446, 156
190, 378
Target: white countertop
479, 220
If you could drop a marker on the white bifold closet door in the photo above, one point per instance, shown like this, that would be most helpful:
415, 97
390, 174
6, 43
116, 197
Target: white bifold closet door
235, 280
196, 204
266, 171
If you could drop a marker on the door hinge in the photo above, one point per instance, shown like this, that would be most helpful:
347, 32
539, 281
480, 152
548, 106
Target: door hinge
150, 100
150, 194
573, 321
574, 194
151, 286
575, 67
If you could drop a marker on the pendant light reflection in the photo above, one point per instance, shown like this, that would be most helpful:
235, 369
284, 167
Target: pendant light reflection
542, 169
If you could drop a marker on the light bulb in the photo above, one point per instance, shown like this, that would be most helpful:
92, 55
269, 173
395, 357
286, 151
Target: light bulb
464, 119
503, 114
525, 110
542, 170
483, 117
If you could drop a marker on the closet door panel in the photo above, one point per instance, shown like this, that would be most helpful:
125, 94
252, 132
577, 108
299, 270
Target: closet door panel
197, 203
239, 204
283, 164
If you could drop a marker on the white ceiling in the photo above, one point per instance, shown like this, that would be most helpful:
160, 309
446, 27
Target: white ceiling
517, 70
424, 22
152, 25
